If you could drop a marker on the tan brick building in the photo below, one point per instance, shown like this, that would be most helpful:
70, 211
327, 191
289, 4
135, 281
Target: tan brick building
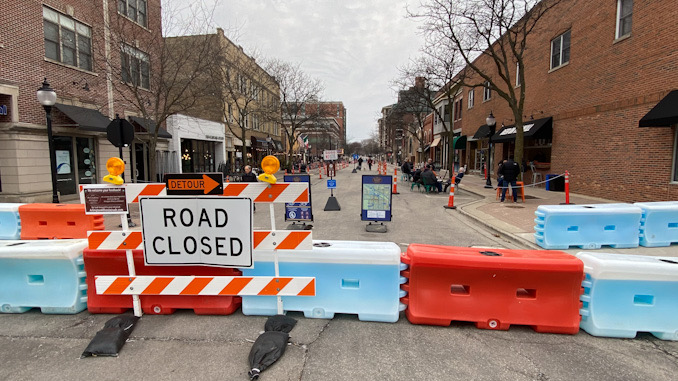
64, 41
593, 69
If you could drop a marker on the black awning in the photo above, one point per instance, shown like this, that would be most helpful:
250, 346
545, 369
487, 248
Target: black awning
460, 142
664, 114
148, 123
533, 129
428, 146
87, 119
482, 133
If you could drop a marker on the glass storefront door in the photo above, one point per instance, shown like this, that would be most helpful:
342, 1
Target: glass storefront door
63, 150
76, 163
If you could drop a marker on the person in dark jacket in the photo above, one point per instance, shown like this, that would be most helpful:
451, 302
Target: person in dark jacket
510, 171
249, 177
428, 177
406, 168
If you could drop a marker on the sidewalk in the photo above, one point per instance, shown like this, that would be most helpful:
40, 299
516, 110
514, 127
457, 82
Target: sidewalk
515, 221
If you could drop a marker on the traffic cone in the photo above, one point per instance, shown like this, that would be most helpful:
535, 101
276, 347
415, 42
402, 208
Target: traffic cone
450, 201
395, 181
320, 172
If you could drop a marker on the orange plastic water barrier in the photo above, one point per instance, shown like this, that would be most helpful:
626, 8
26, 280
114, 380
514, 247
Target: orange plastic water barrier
60, 221
494, 288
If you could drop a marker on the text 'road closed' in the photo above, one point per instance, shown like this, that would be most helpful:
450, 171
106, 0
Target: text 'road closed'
207, 230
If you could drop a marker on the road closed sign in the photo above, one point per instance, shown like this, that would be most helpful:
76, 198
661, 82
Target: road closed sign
213, 231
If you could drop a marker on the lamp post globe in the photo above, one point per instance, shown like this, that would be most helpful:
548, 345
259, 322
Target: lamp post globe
491, 123
47, 98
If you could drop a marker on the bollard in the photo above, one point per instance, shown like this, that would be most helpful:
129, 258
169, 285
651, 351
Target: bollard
320, 172
450, 201
395, 181
567, 187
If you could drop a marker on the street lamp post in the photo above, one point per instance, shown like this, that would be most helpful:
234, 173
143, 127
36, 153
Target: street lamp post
491, 123
269, 140
47, 98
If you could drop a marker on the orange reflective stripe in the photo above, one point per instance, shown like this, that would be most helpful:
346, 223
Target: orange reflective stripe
293, 240
96, 239
259, 236
235, 286
156, 287
118, 286
274, 286
308, 290
195, 286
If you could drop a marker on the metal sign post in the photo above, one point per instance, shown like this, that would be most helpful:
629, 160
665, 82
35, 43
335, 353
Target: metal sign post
332, 203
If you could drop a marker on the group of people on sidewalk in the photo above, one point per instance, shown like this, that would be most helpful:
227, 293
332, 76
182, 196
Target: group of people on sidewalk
508, 174
426, 175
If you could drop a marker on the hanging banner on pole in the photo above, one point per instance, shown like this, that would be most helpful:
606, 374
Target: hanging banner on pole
299, 211
376, 198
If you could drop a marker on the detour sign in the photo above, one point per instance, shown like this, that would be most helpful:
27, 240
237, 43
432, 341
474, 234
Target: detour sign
194, 184
215, 231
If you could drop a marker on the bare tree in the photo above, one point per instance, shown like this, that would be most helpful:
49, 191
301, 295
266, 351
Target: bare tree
494, 30
299, 107
440, 78
154, 78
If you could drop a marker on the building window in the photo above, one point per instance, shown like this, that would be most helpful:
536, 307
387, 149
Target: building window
67, 40
624, 13
134, 10
560, 50
517, 74
135, 67
487, 91
470, 98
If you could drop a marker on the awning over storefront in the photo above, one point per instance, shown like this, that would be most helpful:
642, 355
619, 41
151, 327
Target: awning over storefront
482, 132
435, 142
259, 143
428, 147
664, 114
147, 123
86, 119
459, 142
533, 129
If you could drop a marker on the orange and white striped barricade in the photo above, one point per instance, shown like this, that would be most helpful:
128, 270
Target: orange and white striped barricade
170, 212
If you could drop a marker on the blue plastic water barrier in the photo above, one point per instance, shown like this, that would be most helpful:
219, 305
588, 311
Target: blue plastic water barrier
659, 223
587, 226
626, 294
352, 277
10, 223
45, 274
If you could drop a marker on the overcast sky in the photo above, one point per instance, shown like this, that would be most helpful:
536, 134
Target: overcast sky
353, 46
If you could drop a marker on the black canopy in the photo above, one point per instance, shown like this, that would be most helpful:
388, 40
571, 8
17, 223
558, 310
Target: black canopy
533, 129
664, 114
482, 133
144, 123
87, 119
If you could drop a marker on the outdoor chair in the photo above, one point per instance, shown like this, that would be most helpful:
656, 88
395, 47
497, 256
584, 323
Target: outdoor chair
428, 188
535, 175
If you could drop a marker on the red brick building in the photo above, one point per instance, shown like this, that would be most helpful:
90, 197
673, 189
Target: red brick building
593, 69
65, 41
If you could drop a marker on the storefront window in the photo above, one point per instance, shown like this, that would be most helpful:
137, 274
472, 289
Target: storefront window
86, 160
197, 156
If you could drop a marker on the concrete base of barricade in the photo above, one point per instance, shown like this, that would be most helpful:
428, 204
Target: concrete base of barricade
46, 274
301, 226
374, 228
360, 278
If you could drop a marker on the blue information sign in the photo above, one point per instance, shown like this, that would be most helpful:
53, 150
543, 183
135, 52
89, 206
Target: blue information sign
355, 156
299, 211
376, 198
331, 184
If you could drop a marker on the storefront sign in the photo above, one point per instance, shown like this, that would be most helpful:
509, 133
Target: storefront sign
330, 154
105, 200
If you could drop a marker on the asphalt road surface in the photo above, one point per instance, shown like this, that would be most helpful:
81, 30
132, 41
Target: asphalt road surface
184, 346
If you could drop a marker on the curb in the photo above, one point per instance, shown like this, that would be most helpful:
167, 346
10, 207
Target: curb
509, 236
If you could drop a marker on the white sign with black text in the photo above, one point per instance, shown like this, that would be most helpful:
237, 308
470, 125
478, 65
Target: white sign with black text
214, 231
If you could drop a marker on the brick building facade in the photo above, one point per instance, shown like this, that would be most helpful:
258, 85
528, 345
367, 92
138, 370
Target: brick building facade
592, 98
65, 42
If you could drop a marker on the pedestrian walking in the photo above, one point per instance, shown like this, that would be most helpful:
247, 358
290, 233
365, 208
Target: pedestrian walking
369, 163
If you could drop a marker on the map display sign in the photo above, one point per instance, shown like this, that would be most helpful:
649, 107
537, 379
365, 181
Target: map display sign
376, 198
299, 211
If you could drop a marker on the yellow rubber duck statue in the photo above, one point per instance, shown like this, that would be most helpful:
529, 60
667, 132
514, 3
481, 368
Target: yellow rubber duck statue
115, 167
270, 164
